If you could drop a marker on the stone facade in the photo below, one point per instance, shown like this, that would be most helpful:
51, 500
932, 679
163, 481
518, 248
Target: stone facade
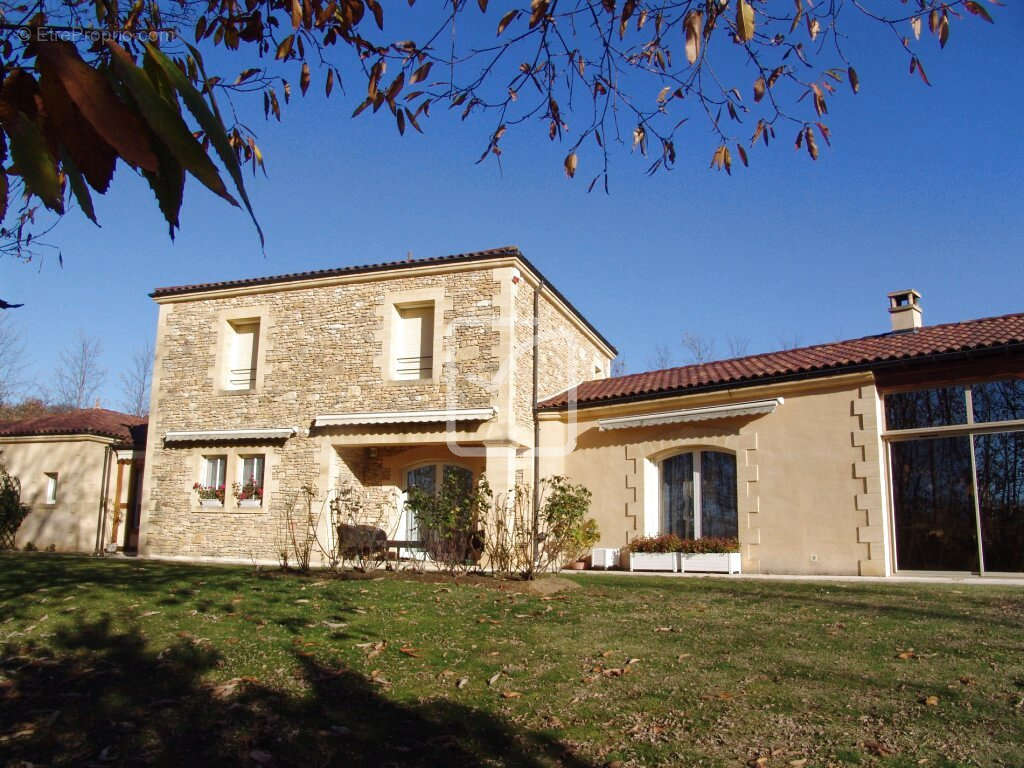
325, 347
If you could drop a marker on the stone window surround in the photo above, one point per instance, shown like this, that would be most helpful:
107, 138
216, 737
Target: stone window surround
225, 317
389, 318
232, 474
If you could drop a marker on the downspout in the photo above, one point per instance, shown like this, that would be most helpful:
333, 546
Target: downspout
101, 514
536, 426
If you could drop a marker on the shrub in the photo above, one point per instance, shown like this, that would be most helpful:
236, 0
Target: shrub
563, 512
12, 511
672, 543
450, 522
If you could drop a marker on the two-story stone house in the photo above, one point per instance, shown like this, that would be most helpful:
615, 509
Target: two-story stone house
380, 378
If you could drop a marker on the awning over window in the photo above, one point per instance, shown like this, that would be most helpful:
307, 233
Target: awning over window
230, 435
405, 417
707, 413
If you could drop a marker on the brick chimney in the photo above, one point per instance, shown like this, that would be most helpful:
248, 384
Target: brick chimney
905, 310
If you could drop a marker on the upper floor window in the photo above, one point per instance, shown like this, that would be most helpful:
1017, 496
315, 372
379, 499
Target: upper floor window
412, 342
51, 487
976, 403
698, 495
242, 350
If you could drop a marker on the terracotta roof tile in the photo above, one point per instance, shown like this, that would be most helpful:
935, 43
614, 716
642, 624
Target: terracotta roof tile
89, 421
867, 352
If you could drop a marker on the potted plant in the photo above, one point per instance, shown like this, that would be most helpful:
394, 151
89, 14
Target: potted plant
672, 553
654, 553
248, 495
710, 555
209, 495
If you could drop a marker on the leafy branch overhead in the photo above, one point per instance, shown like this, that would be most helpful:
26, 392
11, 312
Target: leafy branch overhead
591, 73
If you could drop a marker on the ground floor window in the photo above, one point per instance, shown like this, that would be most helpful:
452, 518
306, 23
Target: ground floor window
429, 478
698, 495
956, 460
250, 482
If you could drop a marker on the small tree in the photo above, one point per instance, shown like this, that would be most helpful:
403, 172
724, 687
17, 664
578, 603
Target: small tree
567, 534
450, 522
12, 511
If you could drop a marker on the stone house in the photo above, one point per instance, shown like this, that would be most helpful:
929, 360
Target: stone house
374, 378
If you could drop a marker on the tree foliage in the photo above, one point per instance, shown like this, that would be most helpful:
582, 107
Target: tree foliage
88, 84
12, 511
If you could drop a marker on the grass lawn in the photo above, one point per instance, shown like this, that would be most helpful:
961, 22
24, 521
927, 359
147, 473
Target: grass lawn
120, 662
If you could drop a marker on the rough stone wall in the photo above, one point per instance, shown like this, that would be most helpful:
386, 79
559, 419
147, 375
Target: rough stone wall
567, 356
322, 352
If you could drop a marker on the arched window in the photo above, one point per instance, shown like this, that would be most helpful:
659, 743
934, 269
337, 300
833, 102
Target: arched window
698, 495
429, 478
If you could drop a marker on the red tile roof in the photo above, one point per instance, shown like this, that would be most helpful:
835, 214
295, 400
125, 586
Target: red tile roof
89, 421
509, 251
867, 353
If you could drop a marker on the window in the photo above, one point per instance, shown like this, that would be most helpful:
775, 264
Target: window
243, 341
698, 495
210, 487
429, 479
958, 477
412, 342
51, 487
250, 480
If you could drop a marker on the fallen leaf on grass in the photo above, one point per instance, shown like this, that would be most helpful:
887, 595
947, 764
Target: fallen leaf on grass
930, 701
493, 678
510, 694
632, 661
798, 763
663, 629
148, 613
878, 749
462, 682
683, 656
260, 757
408, 650
907, 654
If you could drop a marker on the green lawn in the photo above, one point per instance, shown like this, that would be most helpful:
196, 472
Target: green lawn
135, 662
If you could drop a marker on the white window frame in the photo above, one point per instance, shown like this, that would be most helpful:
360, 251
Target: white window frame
208, 460
405, 521
254, 457
52, 480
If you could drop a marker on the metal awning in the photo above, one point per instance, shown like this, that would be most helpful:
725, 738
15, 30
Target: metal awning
230, 435
707, 413
404, 417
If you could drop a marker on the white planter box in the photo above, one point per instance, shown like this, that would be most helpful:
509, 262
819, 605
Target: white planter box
249, 503
653, 561
604, 557
714, 562
208, 503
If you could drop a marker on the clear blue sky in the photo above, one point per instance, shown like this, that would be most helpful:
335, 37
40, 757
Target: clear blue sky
922, 188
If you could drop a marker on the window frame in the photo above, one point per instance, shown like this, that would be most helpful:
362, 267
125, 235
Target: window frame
52, 486
255, 457
388, 318
405, 521
426, 373
226, 321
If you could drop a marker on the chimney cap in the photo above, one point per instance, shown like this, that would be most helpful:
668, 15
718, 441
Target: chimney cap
905, 309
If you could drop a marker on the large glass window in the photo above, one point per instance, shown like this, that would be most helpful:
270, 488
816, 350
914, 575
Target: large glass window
698, 495
933, 499
926, 408
1000, 460
951, 490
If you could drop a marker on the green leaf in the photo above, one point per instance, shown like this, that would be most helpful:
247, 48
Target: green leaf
209, 120
33, 161
78, 187
167, 123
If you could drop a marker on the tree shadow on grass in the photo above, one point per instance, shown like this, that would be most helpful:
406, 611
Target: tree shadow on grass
99, 697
